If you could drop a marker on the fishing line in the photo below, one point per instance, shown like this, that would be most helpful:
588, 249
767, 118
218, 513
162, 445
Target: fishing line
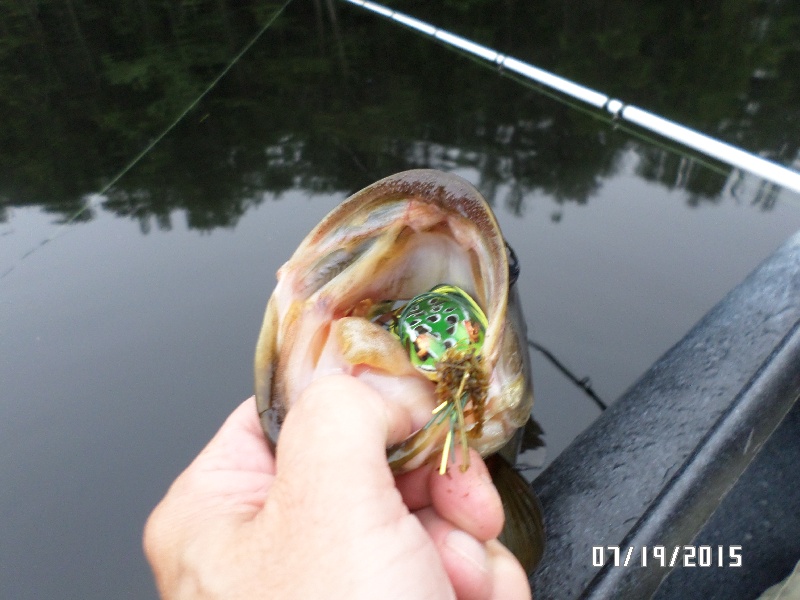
92, 203
584, 383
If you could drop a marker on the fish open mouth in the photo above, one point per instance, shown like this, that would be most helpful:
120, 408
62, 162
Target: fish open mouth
388, 243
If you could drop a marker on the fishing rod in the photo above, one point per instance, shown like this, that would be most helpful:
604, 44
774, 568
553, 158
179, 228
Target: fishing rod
619, 110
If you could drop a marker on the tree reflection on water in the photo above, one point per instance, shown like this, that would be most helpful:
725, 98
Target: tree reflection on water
332, 98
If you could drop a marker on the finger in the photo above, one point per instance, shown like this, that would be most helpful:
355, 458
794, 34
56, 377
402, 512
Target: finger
337, 433
468, 499
508, 578
464, 558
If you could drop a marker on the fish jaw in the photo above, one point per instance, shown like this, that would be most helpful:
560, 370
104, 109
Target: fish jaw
393, 240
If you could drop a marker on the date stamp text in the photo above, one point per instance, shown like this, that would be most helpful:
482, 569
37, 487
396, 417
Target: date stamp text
667, 556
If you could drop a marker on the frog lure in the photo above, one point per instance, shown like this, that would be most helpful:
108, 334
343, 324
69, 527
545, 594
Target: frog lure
443, 331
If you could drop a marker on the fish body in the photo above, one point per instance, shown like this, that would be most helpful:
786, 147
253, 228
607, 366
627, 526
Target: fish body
369, 292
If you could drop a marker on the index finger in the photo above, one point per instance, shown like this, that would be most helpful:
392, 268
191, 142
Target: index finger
468, 499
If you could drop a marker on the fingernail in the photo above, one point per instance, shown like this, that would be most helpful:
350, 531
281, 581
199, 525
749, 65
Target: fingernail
467, 547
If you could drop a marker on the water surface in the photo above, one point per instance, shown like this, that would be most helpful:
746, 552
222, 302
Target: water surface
128, 337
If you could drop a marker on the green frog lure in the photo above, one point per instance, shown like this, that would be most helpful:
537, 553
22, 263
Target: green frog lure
443, 331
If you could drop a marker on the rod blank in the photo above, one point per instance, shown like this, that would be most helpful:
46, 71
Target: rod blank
705, 144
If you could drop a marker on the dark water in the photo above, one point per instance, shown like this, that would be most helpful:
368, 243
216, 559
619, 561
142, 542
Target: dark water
128, 337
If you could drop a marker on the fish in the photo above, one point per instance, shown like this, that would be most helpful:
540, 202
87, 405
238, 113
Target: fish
408, 285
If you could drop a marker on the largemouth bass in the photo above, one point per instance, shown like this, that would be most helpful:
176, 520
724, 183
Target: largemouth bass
407, 285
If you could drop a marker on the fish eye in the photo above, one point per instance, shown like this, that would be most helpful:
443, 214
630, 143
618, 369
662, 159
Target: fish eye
433, 319
452, 319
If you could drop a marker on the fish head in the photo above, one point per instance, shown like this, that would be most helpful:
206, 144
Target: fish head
426, 240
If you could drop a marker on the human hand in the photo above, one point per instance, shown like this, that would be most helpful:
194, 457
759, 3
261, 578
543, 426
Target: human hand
326, 518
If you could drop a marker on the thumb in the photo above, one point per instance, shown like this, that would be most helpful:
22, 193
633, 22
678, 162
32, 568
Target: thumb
336, 434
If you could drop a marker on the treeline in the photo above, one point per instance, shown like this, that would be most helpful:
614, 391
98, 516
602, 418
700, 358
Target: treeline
331, 98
